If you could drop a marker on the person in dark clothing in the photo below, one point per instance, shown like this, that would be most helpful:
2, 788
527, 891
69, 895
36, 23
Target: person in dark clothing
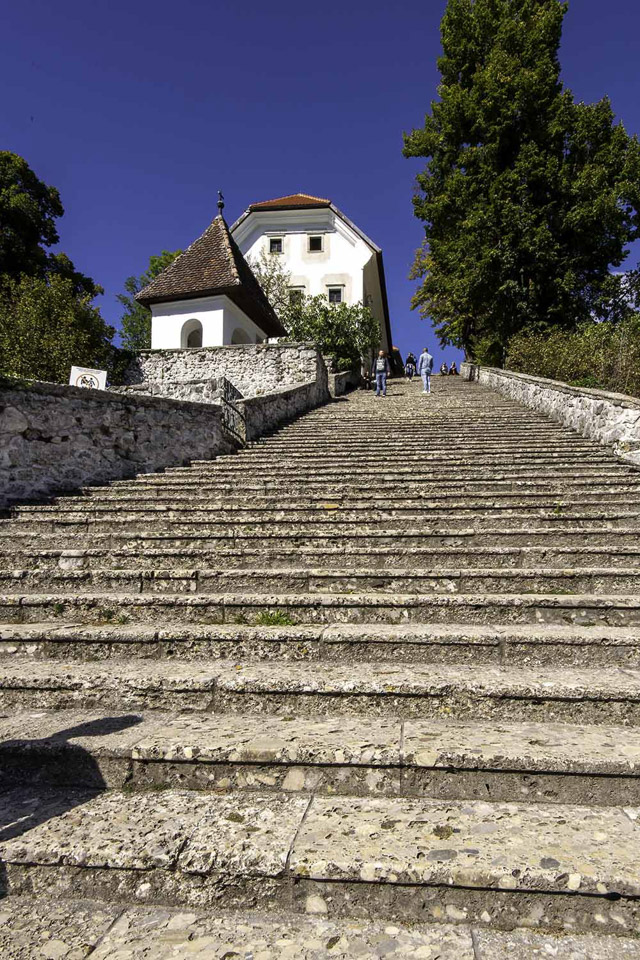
381, 371
453, 370
410, 366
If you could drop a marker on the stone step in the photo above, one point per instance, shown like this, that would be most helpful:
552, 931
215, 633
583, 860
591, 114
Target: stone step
369, 558
396, 472
314, 608
361, 756
397, 859
388, 459
577, 505
526, 535
392, 529
32, 929
298, 579
79, 928
181, 498
511, 644
387, 488
577, 695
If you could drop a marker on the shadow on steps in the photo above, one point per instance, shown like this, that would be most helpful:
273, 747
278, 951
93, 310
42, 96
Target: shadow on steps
22, 809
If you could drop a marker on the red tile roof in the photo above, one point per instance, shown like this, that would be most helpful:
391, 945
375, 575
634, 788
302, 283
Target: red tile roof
213, 264
293, 200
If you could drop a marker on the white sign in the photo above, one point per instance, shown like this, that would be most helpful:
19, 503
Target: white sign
91, 379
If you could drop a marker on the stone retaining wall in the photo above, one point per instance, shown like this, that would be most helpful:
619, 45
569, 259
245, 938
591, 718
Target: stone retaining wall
55, 438
194, 391
341, 383
264, 414
255, 369
611, 419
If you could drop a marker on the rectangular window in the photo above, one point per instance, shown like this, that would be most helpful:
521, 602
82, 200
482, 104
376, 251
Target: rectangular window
275, 245
335, 294
296, 294
315, 244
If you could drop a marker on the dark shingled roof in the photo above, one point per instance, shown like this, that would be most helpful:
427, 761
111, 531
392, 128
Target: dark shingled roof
213, 264
293, 201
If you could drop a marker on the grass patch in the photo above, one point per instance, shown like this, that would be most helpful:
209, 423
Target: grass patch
273, 618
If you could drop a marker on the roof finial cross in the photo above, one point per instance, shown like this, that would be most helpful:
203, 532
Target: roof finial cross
220, 202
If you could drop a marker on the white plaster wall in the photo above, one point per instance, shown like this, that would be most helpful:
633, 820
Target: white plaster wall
236, 319
219, 317
167, 320
340, 263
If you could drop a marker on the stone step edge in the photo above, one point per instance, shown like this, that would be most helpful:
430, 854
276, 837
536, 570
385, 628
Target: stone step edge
107, 930
354, 573
364, 743
373, 600
404, 680
510, 861
336, 632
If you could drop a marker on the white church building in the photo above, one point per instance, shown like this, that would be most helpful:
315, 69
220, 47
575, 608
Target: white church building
322, 250
210, 297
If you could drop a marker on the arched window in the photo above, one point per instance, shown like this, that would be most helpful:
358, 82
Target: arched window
240, 336
191, 335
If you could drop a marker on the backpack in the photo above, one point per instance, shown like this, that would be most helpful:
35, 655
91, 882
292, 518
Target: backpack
381, 365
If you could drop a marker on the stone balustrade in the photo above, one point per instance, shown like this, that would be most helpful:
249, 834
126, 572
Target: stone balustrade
611, 419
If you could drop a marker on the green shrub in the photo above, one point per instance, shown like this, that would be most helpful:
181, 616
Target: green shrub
602, 356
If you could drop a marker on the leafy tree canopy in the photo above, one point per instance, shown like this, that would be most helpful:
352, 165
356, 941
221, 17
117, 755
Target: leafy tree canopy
342, 331
28, 213
46, 327
136, 319
528, 198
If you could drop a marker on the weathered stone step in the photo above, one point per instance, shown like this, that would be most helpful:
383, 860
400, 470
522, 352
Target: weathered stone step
438, 759
526, 535
318, 580
399, 859
396, 471
603, 695
183, 498
373, 487
526, 644
253, 460
388, 459
462, 429
114, 932
76, 509
73, 929
370, 558
392, 528
589, 609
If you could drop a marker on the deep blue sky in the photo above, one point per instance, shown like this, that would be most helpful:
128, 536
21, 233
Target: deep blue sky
138, 112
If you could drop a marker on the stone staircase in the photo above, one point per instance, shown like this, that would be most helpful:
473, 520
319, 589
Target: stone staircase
368, 688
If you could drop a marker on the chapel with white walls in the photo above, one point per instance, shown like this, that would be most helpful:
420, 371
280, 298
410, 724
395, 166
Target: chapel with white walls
209, 296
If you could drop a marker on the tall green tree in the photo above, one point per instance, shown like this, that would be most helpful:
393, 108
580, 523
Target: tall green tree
29, 209
528, 198
48, 320
136, 319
